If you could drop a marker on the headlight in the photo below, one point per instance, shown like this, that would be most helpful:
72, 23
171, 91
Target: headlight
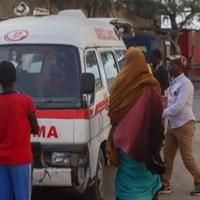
60, 159
66, 159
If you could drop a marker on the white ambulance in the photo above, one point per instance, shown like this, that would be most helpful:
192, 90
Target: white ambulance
67, 63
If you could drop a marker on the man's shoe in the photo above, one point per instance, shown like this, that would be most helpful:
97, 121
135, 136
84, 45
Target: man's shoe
165, 190
195, 192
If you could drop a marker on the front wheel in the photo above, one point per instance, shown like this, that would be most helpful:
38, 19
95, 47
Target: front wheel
97, 190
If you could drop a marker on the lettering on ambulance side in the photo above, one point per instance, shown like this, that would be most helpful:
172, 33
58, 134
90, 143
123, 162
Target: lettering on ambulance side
105, 34
45, 132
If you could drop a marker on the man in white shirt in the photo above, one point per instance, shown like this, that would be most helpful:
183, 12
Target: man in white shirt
181, 122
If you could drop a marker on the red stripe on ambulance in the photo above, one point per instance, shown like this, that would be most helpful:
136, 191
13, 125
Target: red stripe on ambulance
63, 114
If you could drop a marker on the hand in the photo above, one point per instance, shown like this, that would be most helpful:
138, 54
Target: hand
164, 101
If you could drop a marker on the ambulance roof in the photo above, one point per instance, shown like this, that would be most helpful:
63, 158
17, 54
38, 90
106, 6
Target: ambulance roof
68, 27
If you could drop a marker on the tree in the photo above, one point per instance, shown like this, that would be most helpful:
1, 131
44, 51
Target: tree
97, 7
185, 10
93, 7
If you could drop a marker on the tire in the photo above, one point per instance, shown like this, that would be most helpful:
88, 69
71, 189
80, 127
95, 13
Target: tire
97, 190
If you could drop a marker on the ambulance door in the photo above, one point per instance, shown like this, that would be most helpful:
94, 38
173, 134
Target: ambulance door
110, 70
97, 101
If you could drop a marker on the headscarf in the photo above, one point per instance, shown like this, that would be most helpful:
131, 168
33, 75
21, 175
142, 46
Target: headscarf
129, 85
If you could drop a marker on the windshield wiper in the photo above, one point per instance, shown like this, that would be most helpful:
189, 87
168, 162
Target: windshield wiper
54, 101
47, 101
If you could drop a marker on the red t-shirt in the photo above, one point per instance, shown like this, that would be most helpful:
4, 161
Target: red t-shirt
15, 129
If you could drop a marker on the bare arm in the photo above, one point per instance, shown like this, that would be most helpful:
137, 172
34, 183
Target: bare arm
34, 124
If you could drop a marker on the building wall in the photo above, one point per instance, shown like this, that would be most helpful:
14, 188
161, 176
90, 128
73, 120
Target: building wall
189, 43
196, 46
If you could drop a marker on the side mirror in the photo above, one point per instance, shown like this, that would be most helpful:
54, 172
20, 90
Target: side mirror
87, 83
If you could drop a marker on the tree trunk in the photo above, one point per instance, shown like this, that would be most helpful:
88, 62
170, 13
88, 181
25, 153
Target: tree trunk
175, 46
94, 5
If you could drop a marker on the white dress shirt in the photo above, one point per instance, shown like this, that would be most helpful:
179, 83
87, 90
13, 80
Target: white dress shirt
180, 100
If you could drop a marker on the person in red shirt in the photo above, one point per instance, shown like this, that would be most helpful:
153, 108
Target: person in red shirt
17, 121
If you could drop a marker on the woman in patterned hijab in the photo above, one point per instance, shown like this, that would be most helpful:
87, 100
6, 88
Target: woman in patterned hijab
135, 112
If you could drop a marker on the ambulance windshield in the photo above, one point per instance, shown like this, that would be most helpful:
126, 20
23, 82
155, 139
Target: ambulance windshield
49, 73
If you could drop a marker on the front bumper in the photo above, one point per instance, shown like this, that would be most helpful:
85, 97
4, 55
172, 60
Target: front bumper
73, 176
53, 177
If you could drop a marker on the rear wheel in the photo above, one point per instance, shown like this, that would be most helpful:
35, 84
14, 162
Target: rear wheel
96, 191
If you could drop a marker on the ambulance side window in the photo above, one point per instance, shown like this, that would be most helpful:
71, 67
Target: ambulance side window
120, 55
110, 67
93, 67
